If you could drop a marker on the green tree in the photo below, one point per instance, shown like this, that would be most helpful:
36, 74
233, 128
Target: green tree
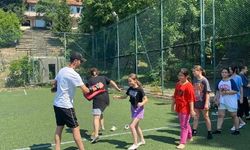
98, 13
9, 28
15, 6
57, 13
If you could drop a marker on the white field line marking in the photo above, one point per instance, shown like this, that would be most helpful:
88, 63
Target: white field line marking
109, 135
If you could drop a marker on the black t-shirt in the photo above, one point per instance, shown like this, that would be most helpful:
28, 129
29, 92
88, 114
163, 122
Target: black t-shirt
136, 95
100, 101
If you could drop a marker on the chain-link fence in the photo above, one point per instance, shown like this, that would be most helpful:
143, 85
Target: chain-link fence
157, 41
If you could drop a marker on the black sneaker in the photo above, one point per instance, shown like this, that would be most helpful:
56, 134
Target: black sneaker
236, 132
209, 135
216, 132
95, 140
194, 132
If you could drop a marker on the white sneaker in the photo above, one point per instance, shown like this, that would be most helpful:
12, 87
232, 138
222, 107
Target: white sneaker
233, 128
141, 143
241, 125
133, 147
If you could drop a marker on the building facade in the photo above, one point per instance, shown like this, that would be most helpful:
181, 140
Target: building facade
34, 19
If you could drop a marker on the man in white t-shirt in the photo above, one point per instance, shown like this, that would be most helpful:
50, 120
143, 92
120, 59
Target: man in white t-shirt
64, 85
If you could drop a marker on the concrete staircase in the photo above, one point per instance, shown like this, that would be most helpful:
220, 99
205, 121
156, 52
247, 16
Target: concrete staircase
40, 43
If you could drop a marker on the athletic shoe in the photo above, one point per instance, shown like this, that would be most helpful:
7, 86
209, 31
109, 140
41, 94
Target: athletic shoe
240, 126
216, 132
180, 146
190, 140
209, 135
95, 139
194, 132
236, 132
141, 143
133, 147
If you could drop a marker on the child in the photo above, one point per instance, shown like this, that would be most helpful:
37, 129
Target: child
137, 100
201, 104
246, 85
100, 102
183, 104
237, 79
226, 99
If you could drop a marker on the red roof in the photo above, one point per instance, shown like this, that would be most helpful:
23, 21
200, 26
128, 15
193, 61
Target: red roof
74, 2
69, 2
31, 1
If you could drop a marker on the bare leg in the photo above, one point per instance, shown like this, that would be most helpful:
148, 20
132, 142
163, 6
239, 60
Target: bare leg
77, 137
139, 132
241, 121
132, 126
102, 122
196, 119
207, 119
96, 124
221, 115
58, 137
235, 120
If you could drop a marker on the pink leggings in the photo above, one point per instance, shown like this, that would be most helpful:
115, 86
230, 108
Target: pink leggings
186, 131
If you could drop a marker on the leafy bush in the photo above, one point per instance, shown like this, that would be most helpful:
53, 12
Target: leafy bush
9, 28
20, 71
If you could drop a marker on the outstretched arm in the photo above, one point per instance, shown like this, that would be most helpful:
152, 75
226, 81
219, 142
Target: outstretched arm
113, 84
120, 97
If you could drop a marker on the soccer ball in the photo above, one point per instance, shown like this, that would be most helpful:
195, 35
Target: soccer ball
126, 127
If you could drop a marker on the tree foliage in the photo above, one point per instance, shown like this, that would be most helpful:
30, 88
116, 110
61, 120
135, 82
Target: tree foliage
15, 6
9, 28
98, 13
57, 13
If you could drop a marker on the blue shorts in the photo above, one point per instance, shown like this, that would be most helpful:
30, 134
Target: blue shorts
226, 107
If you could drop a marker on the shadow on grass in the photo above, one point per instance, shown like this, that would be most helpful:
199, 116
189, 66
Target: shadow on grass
119, 144
83, 132
163, 139
45, 146
71, 148
161, 103
174, 132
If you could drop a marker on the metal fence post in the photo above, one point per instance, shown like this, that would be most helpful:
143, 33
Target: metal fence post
136, 46
65, 45
118, 48
162, 52
214, 53
202, 32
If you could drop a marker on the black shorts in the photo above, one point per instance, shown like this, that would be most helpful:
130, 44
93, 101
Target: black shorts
66, 116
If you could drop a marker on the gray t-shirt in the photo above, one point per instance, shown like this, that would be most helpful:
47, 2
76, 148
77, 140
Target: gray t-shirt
201, 87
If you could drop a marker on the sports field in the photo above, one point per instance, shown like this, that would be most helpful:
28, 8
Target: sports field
27, 122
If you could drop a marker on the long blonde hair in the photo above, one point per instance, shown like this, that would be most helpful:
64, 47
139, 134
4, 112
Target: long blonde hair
133, 76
